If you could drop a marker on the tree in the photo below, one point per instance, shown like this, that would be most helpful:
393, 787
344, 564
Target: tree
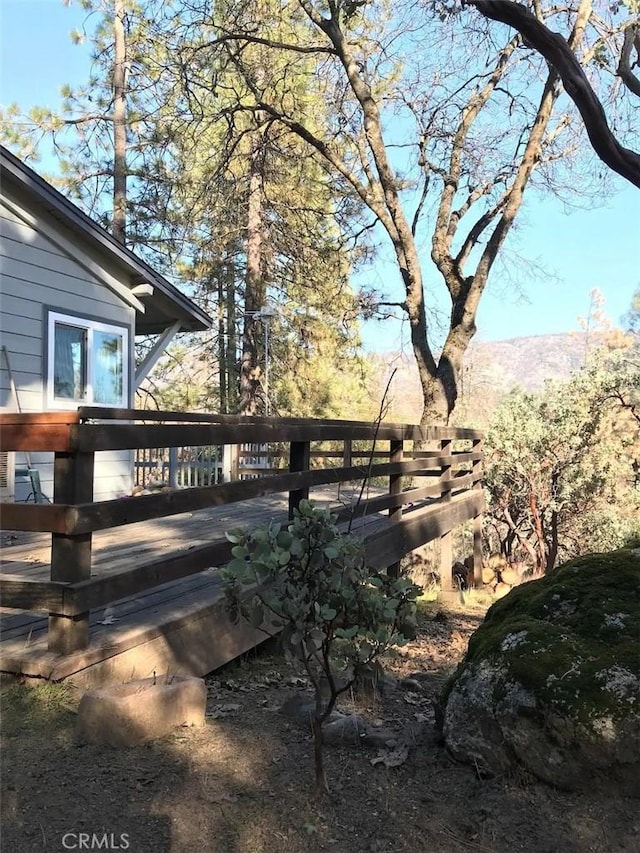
229, 207
370, 58
335, 616
562, 466
111, 160
631, 319
560, 54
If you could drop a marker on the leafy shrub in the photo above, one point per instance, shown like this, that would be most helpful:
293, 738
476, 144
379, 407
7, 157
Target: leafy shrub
312, 584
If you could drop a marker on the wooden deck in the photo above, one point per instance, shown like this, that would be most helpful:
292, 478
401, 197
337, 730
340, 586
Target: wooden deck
153, 600
140, 621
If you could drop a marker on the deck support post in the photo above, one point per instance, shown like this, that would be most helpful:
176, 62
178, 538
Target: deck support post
71, 555
173, 467
230, 463
476, 470
446, 545
347, 453
299, 460
396, 454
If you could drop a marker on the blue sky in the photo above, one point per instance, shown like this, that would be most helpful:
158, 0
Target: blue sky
582, 250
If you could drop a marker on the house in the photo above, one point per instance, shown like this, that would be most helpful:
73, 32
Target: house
72, 301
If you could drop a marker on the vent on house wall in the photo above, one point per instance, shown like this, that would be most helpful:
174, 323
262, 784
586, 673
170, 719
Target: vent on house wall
7, 475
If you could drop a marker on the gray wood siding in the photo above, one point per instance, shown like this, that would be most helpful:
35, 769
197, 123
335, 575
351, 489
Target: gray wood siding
35, 273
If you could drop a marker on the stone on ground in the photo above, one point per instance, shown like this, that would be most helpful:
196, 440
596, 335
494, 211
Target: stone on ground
124, 715
551, 679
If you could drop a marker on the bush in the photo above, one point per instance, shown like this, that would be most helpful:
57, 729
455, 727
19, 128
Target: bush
312, 584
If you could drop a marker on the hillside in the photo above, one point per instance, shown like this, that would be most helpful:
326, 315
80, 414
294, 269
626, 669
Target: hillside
492, 368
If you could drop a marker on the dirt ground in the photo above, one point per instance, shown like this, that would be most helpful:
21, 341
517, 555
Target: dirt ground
244, 782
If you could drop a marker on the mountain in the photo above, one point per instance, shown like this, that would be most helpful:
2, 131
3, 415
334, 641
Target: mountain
492, 369
529, 362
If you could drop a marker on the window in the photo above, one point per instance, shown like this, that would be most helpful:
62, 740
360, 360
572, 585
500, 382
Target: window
87, 363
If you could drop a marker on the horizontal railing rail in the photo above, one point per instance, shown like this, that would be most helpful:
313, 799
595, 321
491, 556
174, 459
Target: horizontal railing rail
441, 471
75, 519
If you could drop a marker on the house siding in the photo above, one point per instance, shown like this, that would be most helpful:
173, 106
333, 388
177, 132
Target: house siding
36, 275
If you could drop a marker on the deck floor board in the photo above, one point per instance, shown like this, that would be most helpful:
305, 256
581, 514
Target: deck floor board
113, 550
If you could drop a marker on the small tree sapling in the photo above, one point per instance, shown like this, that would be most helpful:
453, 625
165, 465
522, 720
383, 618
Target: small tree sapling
312, 585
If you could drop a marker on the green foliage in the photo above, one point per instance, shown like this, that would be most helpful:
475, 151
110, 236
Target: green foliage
631, 319
312, 583
588, 604
229, 101
335, 614
562, 472
189, 165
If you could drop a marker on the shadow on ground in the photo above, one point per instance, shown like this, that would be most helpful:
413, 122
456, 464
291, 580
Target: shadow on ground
243, 783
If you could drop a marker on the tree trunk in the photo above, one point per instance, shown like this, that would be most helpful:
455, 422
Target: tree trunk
524, 542
119, 124
538, 531
318, 755
223, 368
554, 544
255, 290
232, 340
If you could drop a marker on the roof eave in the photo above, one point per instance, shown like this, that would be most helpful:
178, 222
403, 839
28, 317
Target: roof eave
193, 317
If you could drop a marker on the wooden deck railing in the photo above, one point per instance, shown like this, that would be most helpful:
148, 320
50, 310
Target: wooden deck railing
73, 517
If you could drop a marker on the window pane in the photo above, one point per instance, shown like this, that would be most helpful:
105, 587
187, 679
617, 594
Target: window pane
108, 368
69, 362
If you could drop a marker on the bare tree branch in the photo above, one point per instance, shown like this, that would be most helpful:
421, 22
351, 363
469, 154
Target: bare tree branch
558, 53
631, 40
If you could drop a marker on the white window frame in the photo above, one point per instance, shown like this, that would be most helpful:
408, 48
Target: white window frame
90, 326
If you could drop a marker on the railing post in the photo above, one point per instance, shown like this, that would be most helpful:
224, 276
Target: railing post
230, 462
446, 549
173, 467
396, 454
476, 471
347, 453
71, 555
299, 460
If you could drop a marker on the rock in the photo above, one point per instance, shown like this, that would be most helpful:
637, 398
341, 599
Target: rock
501, 590
339, 682
551, 680
340, 729
299, 708
411, 684
488, 575
344, 730
379, 738
370, 682
510, 576
124, 715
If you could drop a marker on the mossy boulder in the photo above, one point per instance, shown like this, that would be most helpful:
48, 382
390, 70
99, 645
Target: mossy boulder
551, 679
